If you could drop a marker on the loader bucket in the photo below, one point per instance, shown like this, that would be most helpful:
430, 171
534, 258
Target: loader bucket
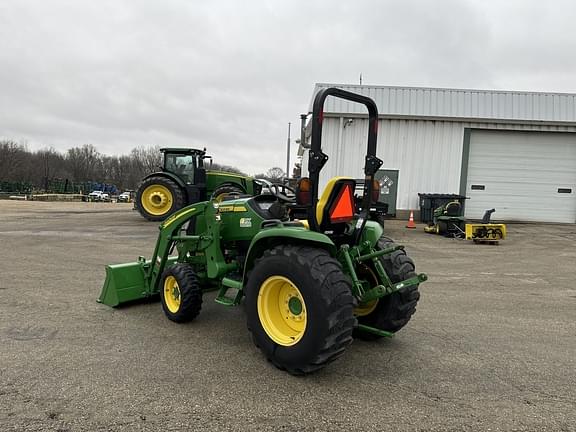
128, 282
124, 283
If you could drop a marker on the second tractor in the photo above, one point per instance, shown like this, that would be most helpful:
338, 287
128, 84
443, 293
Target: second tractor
184, 180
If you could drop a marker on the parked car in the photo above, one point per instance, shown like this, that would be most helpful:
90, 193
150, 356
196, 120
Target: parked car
125, 197
98, 196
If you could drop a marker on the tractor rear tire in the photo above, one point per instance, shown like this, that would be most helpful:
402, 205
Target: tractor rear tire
299, 307
220, 193
158, 197
395, 310
180, 293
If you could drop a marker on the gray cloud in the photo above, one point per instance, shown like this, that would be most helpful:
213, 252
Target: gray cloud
230, 75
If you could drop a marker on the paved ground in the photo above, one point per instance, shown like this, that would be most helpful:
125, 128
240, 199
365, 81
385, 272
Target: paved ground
492, 346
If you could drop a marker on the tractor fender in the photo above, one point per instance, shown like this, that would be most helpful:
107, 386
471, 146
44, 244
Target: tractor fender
216, 179
270, 237
167, 175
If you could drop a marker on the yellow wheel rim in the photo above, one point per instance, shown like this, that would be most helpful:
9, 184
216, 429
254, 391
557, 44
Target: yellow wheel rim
364, 309
367, 308
282, 310
156, 199
172, 297
218, 198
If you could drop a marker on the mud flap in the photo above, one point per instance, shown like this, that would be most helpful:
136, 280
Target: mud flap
127, 282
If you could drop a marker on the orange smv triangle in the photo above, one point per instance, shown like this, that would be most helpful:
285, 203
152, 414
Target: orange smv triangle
343, 210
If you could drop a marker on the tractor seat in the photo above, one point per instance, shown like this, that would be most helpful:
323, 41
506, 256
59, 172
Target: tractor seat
453, 209
336, 206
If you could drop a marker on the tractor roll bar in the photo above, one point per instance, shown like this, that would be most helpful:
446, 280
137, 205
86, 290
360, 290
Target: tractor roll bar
317, 158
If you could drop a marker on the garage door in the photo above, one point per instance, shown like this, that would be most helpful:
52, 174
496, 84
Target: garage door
526, 176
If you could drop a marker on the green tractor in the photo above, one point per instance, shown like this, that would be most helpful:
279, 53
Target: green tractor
183, 180
309, 286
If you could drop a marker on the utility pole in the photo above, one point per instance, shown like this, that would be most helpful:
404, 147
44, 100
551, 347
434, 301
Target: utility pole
288, 155
303, 118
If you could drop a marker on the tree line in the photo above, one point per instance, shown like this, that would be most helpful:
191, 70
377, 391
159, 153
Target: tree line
80, 164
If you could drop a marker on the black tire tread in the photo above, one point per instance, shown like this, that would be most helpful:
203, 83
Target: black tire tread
335, 290
394, 311
177, 197
190, 292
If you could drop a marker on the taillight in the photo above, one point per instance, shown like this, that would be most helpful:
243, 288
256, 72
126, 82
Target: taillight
304, 191
375, 191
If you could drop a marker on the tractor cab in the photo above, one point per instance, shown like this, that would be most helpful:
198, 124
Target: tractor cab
186, 164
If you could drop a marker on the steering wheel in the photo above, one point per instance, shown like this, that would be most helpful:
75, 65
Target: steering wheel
282, 192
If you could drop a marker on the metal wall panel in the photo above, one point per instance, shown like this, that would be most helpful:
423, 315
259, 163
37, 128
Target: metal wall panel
427, 153
458, 103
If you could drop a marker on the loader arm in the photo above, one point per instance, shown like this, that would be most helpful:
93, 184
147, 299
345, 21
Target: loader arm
140, 279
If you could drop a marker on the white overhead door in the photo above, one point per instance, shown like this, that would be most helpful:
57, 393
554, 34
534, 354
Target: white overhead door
525, 176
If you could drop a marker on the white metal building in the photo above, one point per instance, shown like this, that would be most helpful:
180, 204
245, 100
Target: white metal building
514, 151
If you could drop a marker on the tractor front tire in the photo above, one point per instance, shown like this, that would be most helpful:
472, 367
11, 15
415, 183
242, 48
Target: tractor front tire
158, 197
393, 311
299, 308
180, 293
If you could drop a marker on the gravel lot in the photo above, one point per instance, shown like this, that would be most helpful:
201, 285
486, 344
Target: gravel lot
492, 346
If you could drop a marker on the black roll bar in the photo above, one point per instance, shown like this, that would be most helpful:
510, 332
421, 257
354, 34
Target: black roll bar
317, 158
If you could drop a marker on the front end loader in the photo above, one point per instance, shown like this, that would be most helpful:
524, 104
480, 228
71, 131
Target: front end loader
309, 286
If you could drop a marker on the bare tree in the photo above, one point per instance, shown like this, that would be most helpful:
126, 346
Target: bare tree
147, 159
47, 167
275, 174
47, 164
13, 158
84, 162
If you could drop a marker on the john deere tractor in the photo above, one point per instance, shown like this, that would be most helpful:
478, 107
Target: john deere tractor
183, 180
309, 286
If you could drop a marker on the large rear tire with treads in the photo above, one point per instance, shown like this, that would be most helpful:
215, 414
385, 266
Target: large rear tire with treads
299, 308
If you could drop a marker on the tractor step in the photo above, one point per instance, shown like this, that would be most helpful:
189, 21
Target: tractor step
228, 284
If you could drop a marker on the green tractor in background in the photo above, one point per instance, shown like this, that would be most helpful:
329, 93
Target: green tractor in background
183, 180
309, 286
448, 220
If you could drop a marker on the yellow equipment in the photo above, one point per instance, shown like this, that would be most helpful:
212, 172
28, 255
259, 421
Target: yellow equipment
481, 232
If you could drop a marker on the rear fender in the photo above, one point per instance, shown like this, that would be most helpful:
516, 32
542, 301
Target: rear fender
168, 175
271, 237
216, 179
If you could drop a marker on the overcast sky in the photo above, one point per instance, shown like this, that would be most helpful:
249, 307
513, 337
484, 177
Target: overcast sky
230, 75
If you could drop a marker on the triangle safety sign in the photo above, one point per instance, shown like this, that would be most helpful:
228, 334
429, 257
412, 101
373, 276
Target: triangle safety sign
343, 210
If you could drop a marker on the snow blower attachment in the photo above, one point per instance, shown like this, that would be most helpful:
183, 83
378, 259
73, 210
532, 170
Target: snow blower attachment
449, 221
309, 286
486, 232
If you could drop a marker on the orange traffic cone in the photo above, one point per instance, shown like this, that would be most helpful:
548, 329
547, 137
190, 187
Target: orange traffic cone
411, 223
